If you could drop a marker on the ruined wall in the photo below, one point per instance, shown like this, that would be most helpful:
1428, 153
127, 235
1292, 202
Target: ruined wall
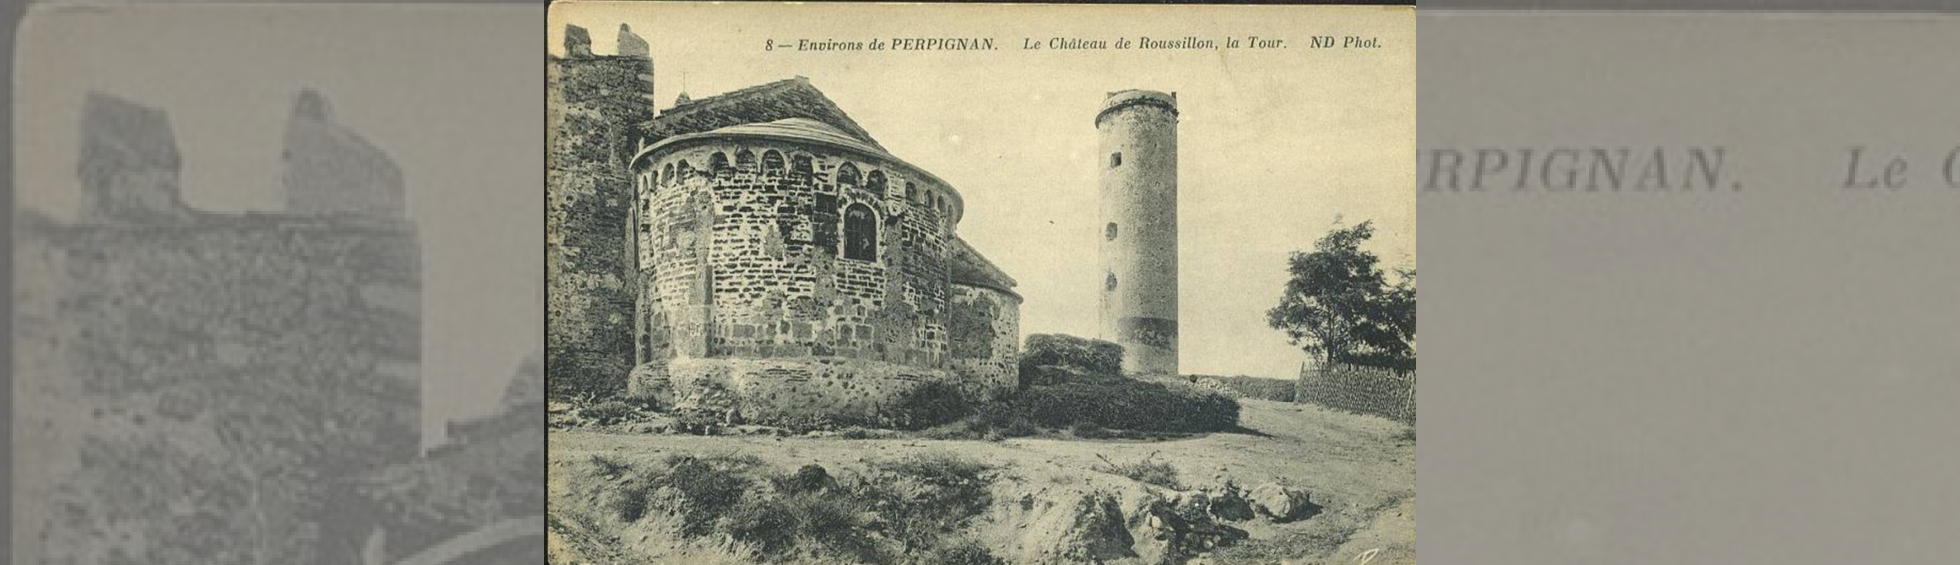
242, 366
986, 333
1367, 390
748, 262
593, 102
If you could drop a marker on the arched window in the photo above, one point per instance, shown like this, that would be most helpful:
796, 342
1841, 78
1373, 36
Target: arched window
772, 162
860, 233
875, 182
653, 179
847, 175
801, 165
667, 173
684, 170
745, 161
911, 192
717, 163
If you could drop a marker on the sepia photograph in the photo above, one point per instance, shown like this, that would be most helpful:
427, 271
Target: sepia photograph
980, 284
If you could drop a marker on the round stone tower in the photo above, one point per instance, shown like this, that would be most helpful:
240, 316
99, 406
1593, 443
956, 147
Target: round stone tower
1139, 232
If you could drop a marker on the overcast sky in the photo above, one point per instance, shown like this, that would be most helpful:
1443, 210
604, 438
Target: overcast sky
1273, 145
451, 93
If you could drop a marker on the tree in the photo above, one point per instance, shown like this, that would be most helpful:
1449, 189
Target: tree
1340, 307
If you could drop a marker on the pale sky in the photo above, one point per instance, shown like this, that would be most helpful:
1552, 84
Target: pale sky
1273, 145
453, 94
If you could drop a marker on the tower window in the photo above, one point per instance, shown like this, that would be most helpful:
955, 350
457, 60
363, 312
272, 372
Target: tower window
1116, 159
1109, 283
1109, 231
860, 233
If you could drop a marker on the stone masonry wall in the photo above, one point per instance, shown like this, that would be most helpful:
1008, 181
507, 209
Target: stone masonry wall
594, 101
245, 367
787, 389
748, 262
986, 335
1367, 390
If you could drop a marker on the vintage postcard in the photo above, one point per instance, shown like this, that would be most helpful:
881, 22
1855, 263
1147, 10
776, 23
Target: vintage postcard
975, 284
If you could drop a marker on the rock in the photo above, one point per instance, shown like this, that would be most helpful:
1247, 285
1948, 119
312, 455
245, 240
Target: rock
1228, 503
1088, 529
1282, 504
1187, 529
809, 478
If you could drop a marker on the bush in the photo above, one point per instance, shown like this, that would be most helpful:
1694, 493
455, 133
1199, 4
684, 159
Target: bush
1126, 404
1090, 357
774, 525
704, 490
1147, 471
608, 412
931, 404
1277, 390
967, 552
922, 496
1089, 430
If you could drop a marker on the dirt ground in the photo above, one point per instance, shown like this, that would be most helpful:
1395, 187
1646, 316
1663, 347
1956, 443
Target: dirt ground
1361, 469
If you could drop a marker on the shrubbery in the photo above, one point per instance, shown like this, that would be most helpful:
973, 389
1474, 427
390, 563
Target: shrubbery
1056, 358
1147, 471
931, 404
899, 507
1277, 390
1125, 404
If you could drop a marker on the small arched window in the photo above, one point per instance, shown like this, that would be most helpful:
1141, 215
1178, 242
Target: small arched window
684, 171
801, 165
717, 163
860, 233
875, 182
745, 161
667, 173
847, 175
911, 192
772, 162
653, 179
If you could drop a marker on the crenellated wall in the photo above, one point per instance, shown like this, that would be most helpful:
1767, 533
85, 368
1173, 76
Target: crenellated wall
245, 366
593, 103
